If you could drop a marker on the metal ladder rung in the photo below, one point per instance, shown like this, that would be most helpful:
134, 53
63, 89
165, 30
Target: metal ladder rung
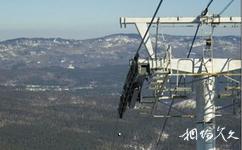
156, 82
178, 96
180, 89
173, 116
160, 81
159, 98
160, 72
158, 77
232, 88
225, 95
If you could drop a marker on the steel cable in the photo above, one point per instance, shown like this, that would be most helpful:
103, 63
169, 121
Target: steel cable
204, 12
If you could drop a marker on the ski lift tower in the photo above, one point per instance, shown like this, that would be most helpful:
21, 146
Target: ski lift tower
204, 69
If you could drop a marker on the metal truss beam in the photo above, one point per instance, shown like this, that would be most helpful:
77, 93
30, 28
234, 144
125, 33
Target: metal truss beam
182, 20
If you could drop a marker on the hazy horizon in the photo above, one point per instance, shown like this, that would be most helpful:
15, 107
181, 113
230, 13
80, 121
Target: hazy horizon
101, 36
89, 19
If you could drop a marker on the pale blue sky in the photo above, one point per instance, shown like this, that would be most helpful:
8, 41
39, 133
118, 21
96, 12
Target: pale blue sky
80, 19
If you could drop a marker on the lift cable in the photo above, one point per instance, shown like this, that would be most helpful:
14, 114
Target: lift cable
204, 12
175, 109
193, 40
137, 54
148, 29
227, 106
225, 8
157, 36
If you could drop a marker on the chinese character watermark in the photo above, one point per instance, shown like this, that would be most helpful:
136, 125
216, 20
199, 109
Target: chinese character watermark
209, 134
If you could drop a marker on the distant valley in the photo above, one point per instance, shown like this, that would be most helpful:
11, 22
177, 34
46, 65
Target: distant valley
62, 94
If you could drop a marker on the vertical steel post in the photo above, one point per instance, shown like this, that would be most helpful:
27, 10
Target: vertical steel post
205, 110
240, 78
